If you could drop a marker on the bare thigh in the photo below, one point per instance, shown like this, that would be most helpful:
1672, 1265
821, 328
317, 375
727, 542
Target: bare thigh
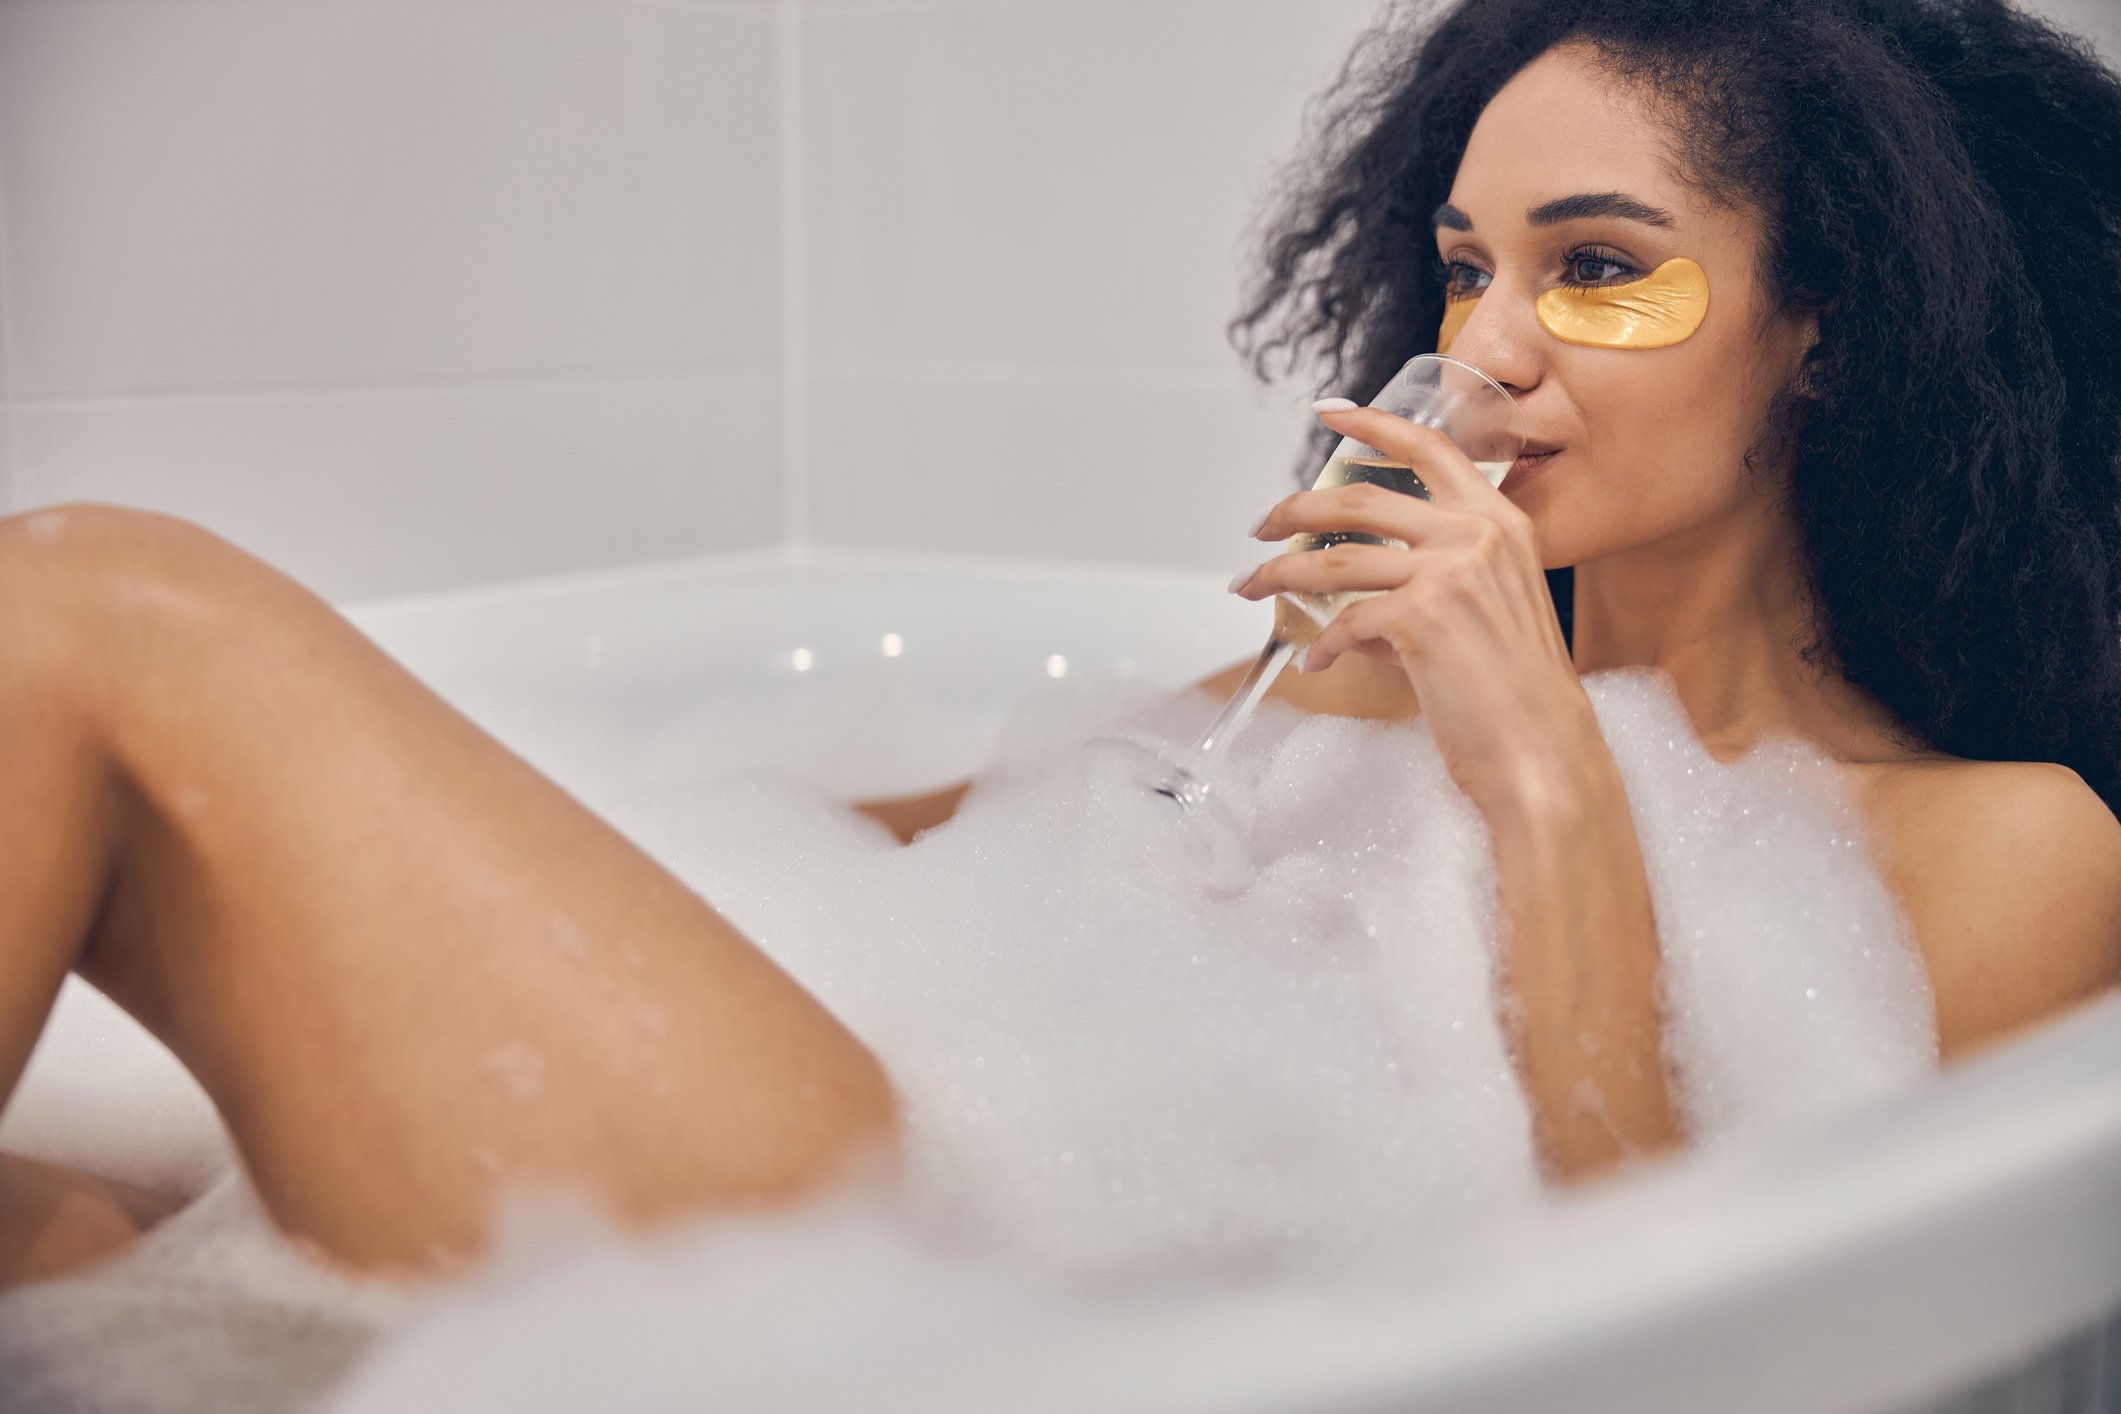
408, 968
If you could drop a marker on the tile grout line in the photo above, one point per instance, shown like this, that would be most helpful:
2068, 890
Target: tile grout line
12, 481
795, 276
1033, 374
628, 375
746, 9
826, 560
933, 7
619, 376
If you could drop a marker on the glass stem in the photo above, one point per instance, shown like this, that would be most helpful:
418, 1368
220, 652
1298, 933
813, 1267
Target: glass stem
1214, 743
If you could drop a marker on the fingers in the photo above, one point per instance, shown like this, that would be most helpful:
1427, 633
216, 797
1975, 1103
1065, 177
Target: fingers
1365, 626
1372, 510
1333, 570
1456, 593
1362, 508
1459, 566
1448, 473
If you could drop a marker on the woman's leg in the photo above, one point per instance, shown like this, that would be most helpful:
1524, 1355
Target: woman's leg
54, 1219
407, 967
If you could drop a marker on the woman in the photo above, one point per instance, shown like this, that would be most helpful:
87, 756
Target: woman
1851, 474
1869, 500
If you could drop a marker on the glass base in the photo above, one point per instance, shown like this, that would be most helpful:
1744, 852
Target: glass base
1207, 816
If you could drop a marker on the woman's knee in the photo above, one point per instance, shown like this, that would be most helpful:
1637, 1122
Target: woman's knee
58, 550
62, 545
79, 583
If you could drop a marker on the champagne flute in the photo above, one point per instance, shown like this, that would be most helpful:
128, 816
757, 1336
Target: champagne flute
1467, 406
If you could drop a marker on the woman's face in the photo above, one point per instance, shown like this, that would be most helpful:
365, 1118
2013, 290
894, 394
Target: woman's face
1569, 180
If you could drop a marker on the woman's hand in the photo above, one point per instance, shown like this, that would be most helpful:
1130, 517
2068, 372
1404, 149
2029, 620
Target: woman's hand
1464, 611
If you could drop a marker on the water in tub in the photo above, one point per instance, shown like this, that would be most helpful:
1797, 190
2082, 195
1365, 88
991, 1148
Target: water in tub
1128, 1084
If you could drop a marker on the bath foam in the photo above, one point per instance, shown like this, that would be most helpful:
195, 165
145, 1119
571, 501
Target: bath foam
1103, 1127
212, 1313
1105, 1065
1127, 1088
1791, 986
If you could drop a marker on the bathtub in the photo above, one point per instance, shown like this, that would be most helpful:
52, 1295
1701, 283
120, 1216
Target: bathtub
1959, 1250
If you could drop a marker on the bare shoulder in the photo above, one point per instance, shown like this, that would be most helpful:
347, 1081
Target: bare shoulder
2010, 873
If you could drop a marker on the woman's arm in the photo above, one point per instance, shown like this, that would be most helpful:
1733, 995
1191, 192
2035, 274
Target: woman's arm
1580, 960
1465, 612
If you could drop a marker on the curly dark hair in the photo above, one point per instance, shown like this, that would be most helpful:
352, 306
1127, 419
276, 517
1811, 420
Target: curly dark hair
1940, 182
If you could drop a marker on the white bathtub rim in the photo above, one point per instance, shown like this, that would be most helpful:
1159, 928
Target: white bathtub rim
821, 561
1730, 1231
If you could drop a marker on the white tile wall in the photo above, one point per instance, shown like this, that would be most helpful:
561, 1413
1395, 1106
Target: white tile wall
1048, 184
215, 193
8, 498
1058, 466
225, 218
1026, 225
370, 494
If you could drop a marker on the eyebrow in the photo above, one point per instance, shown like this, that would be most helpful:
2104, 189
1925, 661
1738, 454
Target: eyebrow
1568, 208
1605, 203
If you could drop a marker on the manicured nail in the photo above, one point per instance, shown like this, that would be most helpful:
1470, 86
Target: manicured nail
1242, 578
1333, 405
1260, 520
1302, 662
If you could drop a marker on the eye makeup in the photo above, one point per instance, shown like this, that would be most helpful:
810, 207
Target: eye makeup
1664, 307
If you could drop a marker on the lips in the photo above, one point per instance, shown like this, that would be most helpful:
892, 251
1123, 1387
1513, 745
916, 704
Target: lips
1529, 464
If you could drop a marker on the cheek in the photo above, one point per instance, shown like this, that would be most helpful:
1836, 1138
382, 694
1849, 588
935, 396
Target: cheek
1661, 448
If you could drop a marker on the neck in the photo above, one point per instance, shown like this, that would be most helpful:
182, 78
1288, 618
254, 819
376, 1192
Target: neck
1723, 611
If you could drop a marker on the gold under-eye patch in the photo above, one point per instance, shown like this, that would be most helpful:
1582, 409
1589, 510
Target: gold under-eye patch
1664, 307
1455, 314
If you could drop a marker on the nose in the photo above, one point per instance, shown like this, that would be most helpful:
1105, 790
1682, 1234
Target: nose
1503, 339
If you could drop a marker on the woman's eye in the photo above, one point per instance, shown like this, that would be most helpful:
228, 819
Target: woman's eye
1595, 270
1464, 281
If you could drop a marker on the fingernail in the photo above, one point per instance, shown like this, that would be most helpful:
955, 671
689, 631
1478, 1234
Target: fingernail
1242, 578
1260, 520
1302, 661
1333, 405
